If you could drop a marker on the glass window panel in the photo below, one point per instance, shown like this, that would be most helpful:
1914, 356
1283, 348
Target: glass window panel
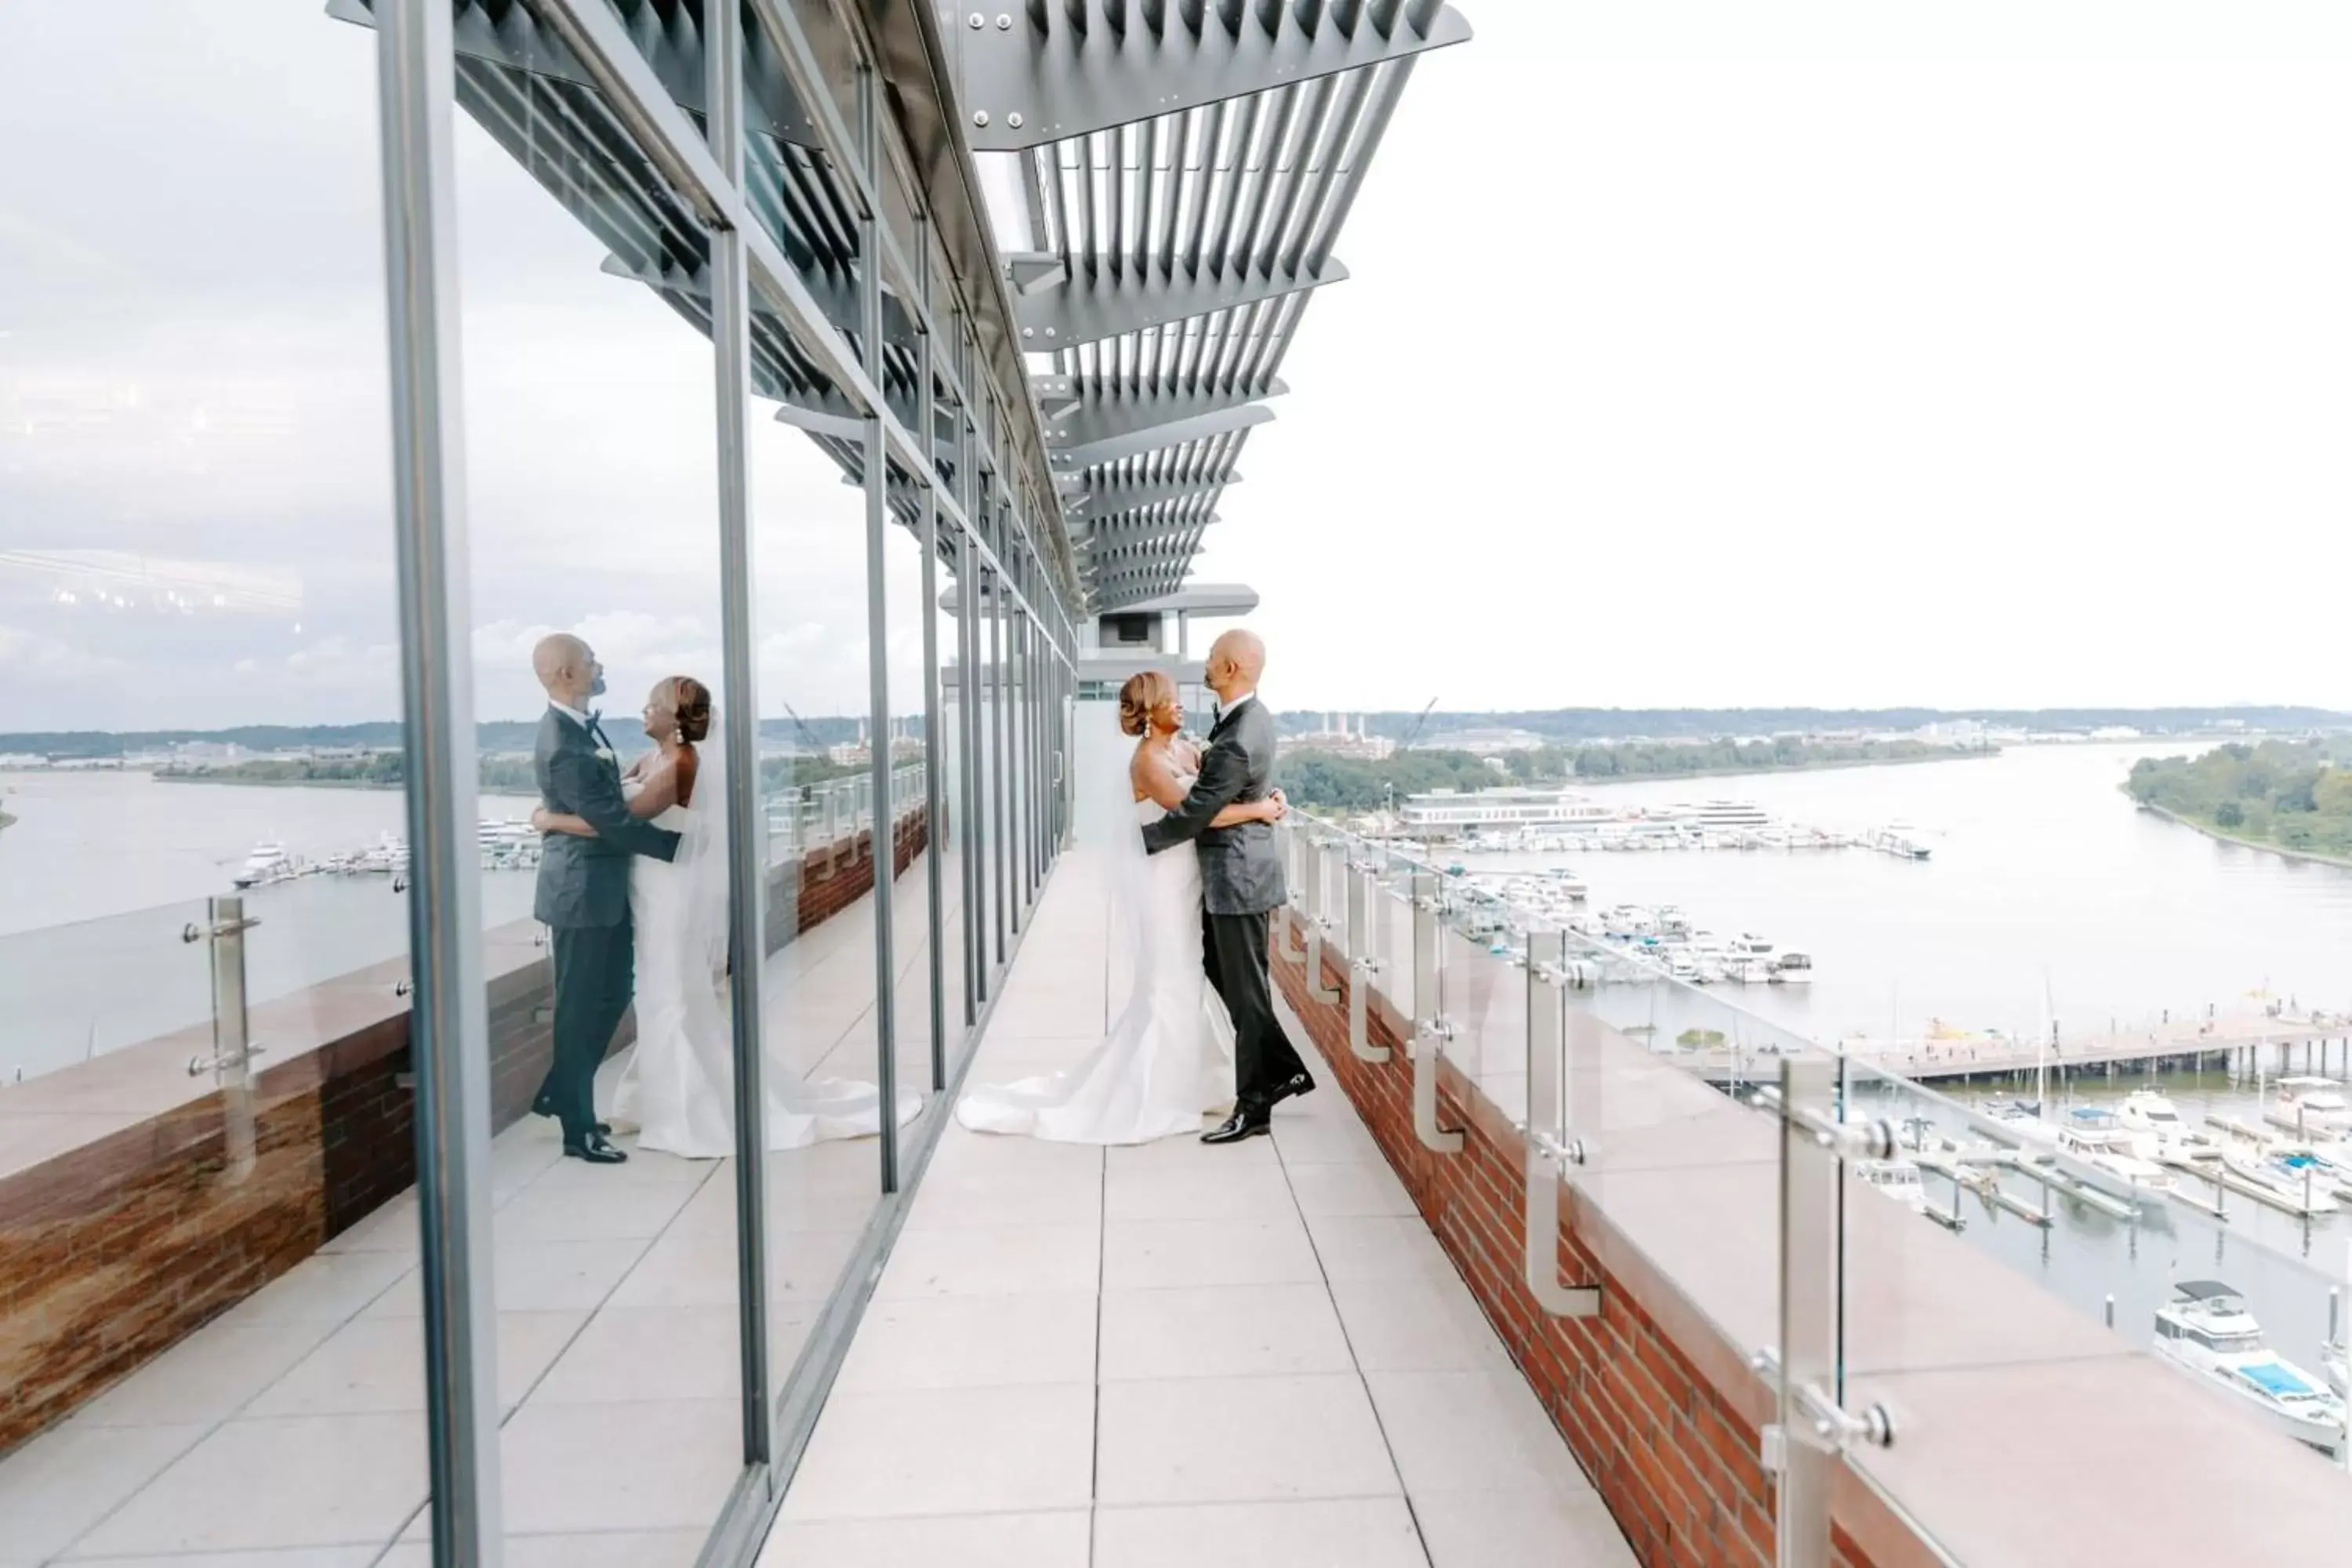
591, 454
821, 1040
907, 873
992, 812
199, 651
952, 834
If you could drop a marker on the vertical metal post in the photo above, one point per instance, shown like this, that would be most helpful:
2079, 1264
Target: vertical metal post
1552, 1146
934, 750
1809, 1310
747, 853
1317, 924
968, 829
882, 849
449, 1035
231, 1063
1016, 758
1431, 1029
1363, 897
1287, 840
1000, 635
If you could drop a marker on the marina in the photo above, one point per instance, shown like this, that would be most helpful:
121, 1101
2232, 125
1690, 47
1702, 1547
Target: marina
1517, 821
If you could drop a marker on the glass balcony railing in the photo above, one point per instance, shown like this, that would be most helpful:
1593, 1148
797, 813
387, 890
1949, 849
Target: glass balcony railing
1860, 1234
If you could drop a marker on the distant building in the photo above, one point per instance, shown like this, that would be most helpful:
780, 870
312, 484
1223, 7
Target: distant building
1952, 732
18, 761
1483, 742
1443, 813
2115, 733
1335, 739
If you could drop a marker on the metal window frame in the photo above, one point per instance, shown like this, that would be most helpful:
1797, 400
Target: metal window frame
449, 1016
417, 108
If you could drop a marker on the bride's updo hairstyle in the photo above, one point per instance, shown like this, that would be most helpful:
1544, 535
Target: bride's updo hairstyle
1140, 697
690, 700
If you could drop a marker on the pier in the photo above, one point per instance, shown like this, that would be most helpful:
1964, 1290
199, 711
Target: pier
2302, 1044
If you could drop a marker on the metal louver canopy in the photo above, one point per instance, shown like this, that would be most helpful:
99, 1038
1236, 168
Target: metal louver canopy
1182, 169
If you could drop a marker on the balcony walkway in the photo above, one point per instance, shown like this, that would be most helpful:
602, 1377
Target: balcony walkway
1173, 1354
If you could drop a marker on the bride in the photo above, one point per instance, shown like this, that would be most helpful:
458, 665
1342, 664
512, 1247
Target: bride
1170, 1056
679, 1085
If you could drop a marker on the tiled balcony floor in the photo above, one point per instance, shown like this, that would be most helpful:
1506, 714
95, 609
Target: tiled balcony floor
289, 1433
1173, 1354
1168, 1355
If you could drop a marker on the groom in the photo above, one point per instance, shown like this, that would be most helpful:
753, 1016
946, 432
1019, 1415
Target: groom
583, 890
1240, 883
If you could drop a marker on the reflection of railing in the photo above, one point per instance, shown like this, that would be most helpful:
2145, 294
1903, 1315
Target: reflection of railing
1541, 1020
807, 816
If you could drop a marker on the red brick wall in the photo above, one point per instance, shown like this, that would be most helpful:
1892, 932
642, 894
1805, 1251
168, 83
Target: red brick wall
1665, 1427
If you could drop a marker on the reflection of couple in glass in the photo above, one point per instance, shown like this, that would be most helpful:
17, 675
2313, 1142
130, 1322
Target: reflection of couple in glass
632, 887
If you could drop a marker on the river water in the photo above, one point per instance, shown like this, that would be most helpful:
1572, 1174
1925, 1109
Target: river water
2045, 881
101, 871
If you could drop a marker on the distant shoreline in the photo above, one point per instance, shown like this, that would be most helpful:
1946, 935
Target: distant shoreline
270, 784
1820, 768
2281, 850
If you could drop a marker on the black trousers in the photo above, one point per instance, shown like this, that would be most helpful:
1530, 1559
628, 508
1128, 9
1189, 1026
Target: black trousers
594, 978
1233, 952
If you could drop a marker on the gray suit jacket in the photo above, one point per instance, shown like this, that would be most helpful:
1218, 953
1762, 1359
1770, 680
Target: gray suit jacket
586, 881
1240, 872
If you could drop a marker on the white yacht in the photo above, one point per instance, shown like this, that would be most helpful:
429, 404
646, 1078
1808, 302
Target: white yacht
2097, 1136
1897, 1179
388, 853
2205, 1328
1629, 919
1793, 968
2284, 1173
2023, 1118
2159, 1132
1896, 842
270, 862
2309, 1106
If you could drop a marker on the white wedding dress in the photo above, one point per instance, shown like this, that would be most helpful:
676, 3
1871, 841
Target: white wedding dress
678, 1084
1169, 1056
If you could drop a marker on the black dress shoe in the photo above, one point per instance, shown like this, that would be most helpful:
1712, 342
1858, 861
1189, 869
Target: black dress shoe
543, 1106
1240, 1124
596, 1149
1298, 1084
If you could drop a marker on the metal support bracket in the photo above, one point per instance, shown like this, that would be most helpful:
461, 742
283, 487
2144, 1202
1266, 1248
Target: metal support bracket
1318, 930
1362, 966
231, 1063
1286, 926
1549, 1155
1430, 1030
1814, 1427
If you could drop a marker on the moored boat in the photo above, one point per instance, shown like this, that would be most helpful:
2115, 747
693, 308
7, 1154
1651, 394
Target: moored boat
2207, 1330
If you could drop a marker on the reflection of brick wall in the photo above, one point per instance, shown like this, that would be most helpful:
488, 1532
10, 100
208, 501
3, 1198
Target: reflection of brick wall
1665, 1444
832, 878
112, 1252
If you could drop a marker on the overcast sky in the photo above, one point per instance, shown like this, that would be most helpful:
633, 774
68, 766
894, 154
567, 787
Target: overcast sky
1696, 353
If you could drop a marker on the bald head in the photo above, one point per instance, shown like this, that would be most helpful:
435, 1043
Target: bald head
1236, 660
567, 667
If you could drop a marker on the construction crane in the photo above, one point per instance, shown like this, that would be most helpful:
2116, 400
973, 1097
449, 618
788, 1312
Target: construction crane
1414, 733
